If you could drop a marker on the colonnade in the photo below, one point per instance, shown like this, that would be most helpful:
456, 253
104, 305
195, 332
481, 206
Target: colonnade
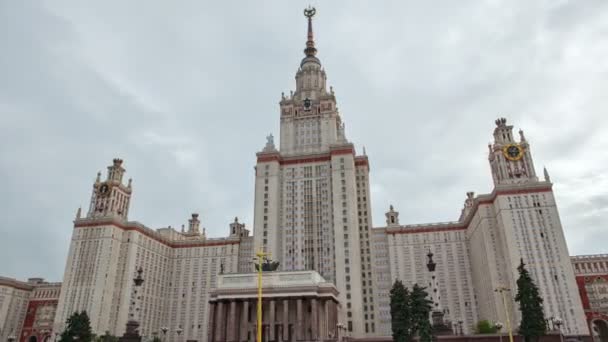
285, 319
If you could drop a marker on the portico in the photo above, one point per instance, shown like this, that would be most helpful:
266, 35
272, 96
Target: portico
297, 306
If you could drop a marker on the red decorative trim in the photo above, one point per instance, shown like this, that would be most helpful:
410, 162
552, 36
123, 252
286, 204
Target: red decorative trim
264, 158
305, 160
582, 290
349, 150
180, 244
28, 328
270, 158
361, 161
426, 229
522, 191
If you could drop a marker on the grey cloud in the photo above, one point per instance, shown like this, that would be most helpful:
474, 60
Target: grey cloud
185, 94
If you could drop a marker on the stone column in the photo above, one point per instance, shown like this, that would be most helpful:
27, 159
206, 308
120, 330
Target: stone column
244, 321
220, 325
299, 320
328, 327
285, 319
211, 322
271, 319
231, 323
314, 320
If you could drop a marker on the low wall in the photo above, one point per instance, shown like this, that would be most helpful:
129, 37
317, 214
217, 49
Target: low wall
482, 338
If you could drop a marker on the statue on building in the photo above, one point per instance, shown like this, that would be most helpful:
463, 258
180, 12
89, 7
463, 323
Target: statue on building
267, 266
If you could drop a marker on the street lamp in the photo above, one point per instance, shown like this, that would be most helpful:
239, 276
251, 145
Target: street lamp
498, 327
164, 330
339, 332
46, 335
558, 322
179, 331
502, 290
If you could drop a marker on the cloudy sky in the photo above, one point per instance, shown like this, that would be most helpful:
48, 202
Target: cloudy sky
186, 91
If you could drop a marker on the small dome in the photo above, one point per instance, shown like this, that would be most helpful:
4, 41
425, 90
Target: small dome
310, 59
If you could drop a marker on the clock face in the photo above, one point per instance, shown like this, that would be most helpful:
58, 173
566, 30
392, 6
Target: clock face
104, 189
307, 103
513, 152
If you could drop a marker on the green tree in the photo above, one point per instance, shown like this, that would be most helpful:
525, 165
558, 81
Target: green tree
78, 328
485, 327
533, 324
401, 318
421, 308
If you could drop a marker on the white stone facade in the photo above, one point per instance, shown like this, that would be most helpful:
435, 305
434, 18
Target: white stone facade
14, 296
180, 268
312, 211
481, 251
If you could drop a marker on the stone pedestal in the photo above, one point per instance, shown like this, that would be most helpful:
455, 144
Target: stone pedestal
132, 333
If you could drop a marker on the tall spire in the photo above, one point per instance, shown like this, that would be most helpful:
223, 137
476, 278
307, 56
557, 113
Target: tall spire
310, 50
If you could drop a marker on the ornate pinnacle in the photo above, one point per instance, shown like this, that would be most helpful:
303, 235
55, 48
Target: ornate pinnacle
310, 43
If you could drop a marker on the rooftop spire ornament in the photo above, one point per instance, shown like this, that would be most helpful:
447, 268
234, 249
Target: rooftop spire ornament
310, 50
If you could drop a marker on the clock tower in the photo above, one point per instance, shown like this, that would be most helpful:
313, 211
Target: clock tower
510, 160
111, 197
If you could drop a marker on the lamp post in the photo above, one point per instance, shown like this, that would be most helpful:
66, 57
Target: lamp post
261, 256
502, 290
164, 330
46, 333
558, 322
339, 332
498, 327
179, 331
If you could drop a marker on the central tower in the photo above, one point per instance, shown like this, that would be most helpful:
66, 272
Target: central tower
312, 202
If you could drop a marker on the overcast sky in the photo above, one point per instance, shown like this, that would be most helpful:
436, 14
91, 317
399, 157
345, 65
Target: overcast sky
186, 92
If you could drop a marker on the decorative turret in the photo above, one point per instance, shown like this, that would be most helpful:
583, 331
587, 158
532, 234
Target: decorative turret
468, 205
111, 198
392, 217
511, 161
237, 229
116, 171
194, 225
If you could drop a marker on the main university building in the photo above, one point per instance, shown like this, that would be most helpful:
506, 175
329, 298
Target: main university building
312, 212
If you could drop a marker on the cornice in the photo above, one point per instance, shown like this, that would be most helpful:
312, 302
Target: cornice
140, 228
14, 283
334, 150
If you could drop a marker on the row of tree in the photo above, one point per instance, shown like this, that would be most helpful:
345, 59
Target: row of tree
410, 311
78, 329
